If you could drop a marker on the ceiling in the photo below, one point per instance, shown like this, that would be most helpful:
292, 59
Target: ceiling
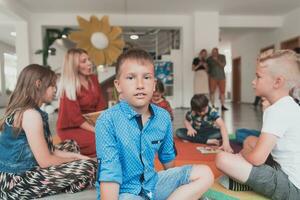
224, 7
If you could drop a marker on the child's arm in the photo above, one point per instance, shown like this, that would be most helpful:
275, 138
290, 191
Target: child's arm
87, 126
110, 168
166, 152
109, 190
65, 154
169, 165
37, 141
190, 130
262, 149
225, 146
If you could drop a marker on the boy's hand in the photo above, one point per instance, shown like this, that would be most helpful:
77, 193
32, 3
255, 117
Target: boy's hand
191, 132
226, 147
265, 103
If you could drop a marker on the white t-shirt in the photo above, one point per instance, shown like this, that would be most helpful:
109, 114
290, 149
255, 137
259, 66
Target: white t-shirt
282, 119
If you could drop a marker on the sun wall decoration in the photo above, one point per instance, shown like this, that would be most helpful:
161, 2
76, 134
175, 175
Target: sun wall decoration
102, 41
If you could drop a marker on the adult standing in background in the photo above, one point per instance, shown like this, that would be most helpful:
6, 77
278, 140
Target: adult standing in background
79, 93
200, 78
216, 64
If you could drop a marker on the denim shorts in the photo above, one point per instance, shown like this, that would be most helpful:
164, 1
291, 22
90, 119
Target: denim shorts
168, 181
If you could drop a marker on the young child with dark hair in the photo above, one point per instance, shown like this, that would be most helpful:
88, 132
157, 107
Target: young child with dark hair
30, 165
130, 134
276, 74
159, 99
204, 125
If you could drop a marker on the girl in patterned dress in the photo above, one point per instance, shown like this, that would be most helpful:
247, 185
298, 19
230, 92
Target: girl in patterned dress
30, 165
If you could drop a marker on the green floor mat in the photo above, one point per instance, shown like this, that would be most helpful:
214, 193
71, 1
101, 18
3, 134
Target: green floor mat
215, 195
232, 136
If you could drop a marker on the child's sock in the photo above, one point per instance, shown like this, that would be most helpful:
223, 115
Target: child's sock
233, 185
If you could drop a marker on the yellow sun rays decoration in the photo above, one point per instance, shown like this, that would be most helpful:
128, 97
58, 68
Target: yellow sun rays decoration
102, 42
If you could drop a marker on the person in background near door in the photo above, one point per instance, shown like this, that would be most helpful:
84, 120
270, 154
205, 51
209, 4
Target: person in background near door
216, 64
201, 78
79, 93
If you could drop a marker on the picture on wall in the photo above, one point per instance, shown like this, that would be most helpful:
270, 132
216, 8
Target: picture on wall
164, 72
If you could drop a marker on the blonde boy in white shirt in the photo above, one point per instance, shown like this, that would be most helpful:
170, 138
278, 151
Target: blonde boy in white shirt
276, 74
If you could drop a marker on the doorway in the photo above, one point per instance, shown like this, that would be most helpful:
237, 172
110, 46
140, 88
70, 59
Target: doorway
236, 80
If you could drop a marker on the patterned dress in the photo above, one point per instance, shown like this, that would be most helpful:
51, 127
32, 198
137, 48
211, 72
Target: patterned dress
39, 182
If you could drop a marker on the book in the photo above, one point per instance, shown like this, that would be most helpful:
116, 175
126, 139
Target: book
208, 150
92, 117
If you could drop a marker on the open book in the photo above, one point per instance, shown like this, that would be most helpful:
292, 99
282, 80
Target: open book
92, 117
208, 149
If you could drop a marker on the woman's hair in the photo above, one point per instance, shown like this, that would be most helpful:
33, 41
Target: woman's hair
199, 102
28, 93
203, 50
138, 55
159, 87
69, 83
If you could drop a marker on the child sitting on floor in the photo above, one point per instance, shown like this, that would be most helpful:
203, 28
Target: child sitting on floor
30, 165
276, 74
159, 99
204, 125
132, 133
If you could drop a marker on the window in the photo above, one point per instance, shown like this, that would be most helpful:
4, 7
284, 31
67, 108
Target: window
10, 72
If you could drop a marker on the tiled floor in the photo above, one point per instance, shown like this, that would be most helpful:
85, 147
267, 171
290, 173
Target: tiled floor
238, 116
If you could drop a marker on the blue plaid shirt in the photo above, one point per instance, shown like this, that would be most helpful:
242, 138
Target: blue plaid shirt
126, 149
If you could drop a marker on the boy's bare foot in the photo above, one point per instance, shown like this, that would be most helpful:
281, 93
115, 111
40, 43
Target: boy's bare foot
213, 142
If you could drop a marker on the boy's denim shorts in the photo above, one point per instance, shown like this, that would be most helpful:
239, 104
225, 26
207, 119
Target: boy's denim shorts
168, 181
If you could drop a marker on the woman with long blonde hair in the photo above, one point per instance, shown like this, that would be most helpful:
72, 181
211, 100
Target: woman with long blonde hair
79, 93
30, 165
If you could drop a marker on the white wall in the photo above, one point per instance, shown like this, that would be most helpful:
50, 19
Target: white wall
19, 17
248, 47
225, 49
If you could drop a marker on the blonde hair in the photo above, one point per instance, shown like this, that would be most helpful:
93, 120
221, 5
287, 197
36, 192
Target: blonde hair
282, 62
69, 84
27, 93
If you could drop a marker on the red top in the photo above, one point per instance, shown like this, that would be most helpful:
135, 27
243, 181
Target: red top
88, 100
166, 105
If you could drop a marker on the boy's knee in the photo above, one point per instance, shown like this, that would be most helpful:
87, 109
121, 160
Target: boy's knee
202, 172
221, 160
250, 141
